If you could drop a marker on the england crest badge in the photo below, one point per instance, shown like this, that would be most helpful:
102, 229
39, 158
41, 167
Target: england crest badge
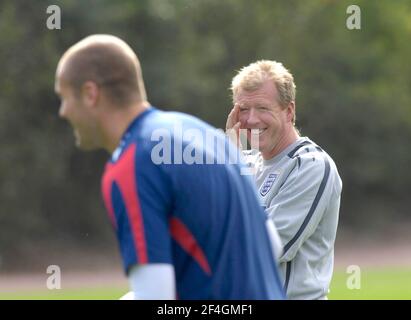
268, 183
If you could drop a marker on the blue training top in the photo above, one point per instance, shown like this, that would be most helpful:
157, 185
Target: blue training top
173, 197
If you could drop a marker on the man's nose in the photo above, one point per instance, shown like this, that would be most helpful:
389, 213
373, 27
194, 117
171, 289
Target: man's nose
252, 118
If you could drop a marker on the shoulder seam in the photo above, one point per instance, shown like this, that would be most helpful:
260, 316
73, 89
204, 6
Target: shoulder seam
297, 148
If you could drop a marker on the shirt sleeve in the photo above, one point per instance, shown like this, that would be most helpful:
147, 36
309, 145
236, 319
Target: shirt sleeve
299, 206
143, 200
152, 282
275, 240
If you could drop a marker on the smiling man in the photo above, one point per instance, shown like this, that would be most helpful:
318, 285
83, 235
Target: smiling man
298, 183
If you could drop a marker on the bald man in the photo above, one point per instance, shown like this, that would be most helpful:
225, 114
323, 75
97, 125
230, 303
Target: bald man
187, 227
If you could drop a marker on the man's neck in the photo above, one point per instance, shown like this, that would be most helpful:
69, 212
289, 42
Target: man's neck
116, 123
289, 138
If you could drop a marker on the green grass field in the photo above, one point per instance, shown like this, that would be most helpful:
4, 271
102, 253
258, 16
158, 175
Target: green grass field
376, 284
383, 283
67, 294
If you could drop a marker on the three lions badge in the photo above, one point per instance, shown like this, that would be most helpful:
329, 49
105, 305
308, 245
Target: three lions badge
268, 183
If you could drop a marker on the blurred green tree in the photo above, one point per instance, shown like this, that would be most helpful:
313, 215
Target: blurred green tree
353, 97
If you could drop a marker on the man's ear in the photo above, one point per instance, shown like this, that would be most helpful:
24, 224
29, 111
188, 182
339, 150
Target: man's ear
90, 93
291, 112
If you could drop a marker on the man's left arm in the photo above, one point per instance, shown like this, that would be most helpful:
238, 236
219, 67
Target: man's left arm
301, 202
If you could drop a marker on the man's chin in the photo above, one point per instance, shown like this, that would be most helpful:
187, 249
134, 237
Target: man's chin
82, 145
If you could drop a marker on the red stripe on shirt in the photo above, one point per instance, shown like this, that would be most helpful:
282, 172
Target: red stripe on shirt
123, 173
183, 236
106, 183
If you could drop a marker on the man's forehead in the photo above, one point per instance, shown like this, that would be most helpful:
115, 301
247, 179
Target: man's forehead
253, 99
257, 97
60, 86
61, 72
60, 81
57, 85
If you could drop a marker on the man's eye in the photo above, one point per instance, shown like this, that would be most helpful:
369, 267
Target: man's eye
243, 109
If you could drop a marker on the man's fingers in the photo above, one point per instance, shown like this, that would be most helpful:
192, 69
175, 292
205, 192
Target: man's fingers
233, 134
236, 110
232, 118
230, 121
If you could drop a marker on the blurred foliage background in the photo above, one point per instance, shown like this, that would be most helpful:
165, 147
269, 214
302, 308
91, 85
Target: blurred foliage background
353, 98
